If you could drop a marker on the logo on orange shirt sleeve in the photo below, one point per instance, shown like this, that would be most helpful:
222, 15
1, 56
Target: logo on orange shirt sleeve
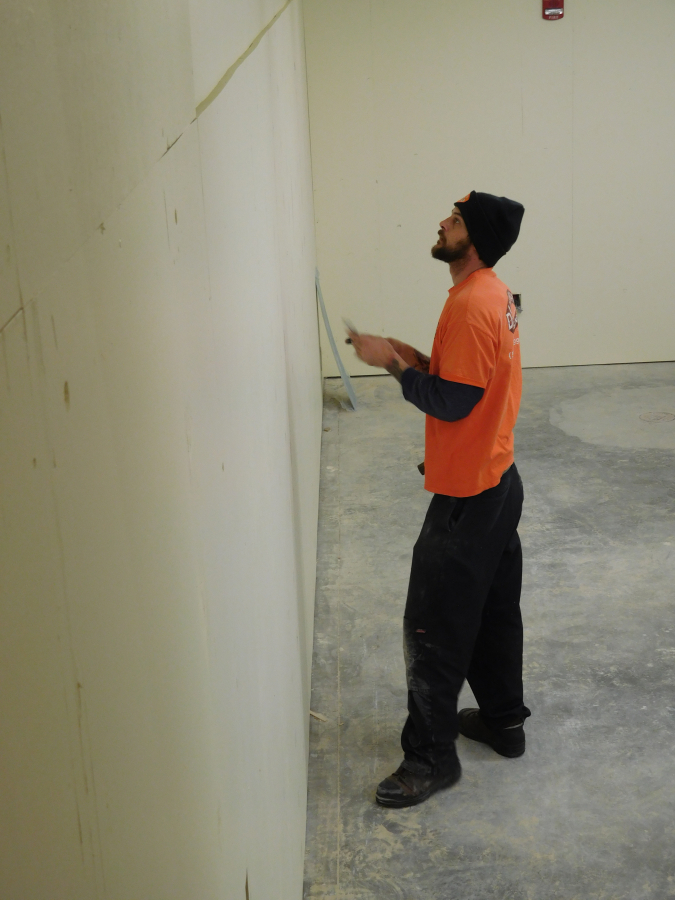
511, 312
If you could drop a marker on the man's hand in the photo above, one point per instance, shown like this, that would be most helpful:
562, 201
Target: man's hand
372, 350
414, 358
376, 351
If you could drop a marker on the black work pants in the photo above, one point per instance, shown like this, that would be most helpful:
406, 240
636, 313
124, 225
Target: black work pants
462, 619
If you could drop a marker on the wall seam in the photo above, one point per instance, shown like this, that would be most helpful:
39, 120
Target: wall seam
207, 101
199, 110
11, 319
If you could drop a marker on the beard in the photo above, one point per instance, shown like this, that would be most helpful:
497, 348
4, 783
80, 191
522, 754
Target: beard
451, 254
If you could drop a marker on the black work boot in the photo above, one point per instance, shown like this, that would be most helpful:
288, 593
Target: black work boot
507, 741
407, 788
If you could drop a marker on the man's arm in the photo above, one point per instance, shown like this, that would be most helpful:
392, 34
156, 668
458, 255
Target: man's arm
415, 358
377, 351
445, 400
448, 401
388, 353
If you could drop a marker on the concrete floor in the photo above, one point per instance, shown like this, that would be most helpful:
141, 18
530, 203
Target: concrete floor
589, 811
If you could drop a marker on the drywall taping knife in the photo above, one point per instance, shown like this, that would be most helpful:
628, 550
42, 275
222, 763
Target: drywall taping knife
343, 372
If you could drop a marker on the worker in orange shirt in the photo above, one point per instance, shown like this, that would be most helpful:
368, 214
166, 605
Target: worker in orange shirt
462, 618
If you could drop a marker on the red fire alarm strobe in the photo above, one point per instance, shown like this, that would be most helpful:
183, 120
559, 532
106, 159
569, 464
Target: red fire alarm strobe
553, 9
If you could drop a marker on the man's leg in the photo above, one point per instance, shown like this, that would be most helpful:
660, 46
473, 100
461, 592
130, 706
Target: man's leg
454, 561
496, 670
430, 760
436, 656
434, 681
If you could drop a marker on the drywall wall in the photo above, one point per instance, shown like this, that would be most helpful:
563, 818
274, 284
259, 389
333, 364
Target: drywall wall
160, 407
414, 105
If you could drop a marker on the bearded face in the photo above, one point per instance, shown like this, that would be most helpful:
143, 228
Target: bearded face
450, 252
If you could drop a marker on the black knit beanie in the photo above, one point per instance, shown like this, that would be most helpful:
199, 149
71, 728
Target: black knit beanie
493, 223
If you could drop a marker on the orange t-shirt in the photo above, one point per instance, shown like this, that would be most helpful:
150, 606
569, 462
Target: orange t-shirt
477, 342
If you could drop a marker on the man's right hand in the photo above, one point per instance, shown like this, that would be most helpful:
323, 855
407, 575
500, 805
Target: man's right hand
412, 357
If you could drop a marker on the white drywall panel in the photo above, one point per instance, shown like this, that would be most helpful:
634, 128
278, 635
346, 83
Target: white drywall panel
221, 33
248, 525
397, 137
624, 180
540, 265
91, 96
109, 326
161, 409
45, 842
140, 271
10, 298
297, 260
412, 107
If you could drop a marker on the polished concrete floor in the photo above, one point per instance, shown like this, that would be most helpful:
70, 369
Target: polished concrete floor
589, 811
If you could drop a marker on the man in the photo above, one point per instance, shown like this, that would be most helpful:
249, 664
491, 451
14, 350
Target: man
462, 617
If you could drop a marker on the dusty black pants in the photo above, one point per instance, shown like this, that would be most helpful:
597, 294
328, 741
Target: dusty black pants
462, 619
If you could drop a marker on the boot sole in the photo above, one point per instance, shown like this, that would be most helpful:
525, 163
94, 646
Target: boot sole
413, 801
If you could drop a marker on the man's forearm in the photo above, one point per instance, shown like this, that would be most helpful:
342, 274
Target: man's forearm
414, 358
422, 361
397, 368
